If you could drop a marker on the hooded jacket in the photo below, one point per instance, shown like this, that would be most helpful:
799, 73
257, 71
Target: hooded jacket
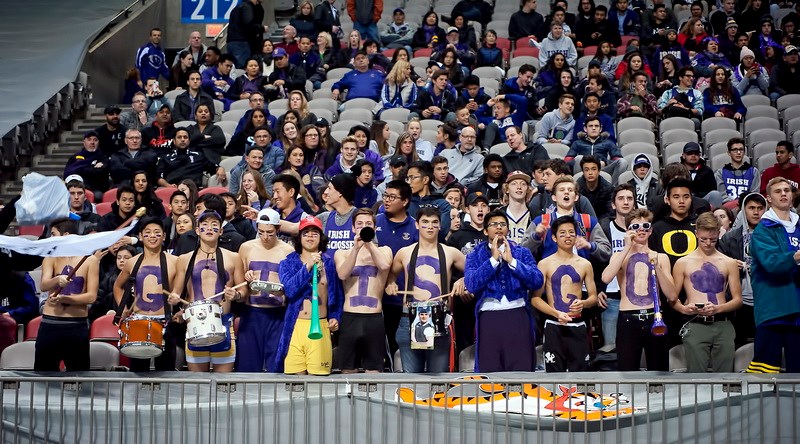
747, 86
774, 272
551, 45
516, 118
466, 167
427, 98
736, 244
83, 163
552, 125
703, 180
647, 187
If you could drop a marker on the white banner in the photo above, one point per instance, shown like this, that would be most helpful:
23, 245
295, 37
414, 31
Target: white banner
62, 246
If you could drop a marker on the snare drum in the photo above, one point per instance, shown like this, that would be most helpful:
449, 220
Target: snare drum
204, 323
437, 311
141, 337
266, 286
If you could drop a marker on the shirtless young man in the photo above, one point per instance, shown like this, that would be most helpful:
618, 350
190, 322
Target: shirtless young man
633, 267
363, 270
64, 331
149, 281
298, 353
566, 344
705, 274
210, 270
261, 318
427, 280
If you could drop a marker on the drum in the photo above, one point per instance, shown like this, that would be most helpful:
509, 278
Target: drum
204, 323
438, 312
266, 286
141, 337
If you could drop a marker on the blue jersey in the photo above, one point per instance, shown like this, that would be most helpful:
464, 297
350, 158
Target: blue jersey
738, 182
340, 237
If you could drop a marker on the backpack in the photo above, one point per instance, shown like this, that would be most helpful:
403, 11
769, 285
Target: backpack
585, 224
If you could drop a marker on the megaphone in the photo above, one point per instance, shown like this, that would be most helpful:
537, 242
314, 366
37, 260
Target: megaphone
367, 234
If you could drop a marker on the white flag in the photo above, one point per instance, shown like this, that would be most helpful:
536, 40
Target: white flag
62, 246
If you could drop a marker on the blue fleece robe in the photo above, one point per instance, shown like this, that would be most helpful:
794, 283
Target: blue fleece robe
296, 280
487, 282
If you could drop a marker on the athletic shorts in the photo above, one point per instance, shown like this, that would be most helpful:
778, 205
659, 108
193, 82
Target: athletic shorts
362, 341
309, 355
222, 353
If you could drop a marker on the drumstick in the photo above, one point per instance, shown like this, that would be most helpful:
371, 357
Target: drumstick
179, 300
443, 296
223, 291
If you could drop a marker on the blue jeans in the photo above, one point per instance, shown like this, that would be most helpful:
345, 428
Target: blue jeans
417, 361
609, 318
368, 32
240, 51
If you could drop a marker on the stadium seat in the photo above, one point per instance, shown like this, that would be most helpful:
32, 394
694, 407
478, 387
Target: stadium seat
212, 190
32, 328
466, 359
672, 149
19, 356
103, 329
761, 111
31, 230
227, 126
556, 150
716, 149
219, 108
742, 357
110, 195
764, 135
790, 127
636, 135
488, 84
183, 124
423, 52
389, 52
322, 93
677, 359
718, 161
234, 115
324, 103
675, 123
240, 104
791, 113
103, 208
103, 356
345, 125
170, 96
323, 113
278, 107
634, 122
362, 115
488, 72
518, 61
634, 148
336, 73
713, 123
526, 51
8, 332
590, 51
763, 148
500, 149
397, 114
786, 102
429, 135
678, 135
719, 135
430, 124
339, 135
755, 99
500, 27
396, 126
164, 193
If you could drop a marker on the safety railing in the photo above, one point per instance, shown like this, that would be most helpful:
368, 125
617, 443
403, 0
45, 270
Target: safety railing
508, 408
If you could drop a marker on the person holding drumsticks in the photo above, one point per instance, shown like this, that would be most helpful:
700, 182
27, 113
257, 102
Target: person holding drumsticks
501, 274
297, 352
262, 314
64, 331
363, 270
149, 281
210, 272
428, 266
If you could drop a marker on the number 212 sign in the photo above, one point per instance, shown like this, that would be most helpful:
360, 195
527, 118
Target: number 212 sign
207, 11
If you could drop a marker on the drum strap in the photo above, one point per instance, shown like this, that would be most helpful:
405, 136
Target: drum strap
130, 289
444, 280
190, 269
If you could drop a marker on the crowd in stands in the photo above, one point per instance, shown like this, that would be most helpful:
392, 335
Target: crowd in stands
590, 111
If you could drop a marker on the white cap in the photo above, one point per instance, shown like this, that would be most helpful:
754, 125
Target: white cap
72, 177
268, 216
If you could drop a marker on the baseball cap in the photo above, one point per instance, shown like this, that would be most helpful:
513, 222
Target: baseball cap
670, 30
268, 216
791, 49
691, 147
90, 133
452, 29
641, 159
473, 198
73, 177
310, 221
112, 109
322, 122
165, 105
278, 53
400, 10
518, 175
398, 159
208, 214
594, 63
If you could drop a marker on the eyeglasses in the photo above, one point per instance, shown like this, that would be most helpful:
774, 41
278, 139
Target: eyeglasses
737, 150
645, 226
496, 225
312, 135
409, 179
390, 197
691, 76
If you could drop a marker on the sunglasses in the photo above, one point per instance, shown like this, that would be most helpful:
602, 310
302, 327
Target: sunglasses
645, 226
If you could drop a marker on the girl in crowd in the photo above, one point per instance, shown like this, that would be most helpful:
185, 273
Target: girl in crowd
721, 99
366, 195
252, 191
726, 218
565, 85
288, 135
692, 35
105, 302
297, 102
632, 62
206, 136
146, 196
361, 134
429, 35
466, 32
548, 77
309, 175
405, 145
328, 146
399, 90
454, 68
190, 189
248, 83
184, 223
180, 71
668, 74
606, 56
303, 22
379, 135
265, 58
348, 53
705, 61
240, 140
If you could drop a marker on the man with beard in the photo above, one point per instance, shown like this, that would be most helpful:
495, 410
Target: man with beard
137, 117
159, 135
111, 135
465, 240
183, 163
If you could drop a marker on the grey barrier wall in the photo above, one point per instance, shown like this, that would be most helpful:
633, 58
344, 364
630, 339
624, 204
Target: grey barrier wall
242, 408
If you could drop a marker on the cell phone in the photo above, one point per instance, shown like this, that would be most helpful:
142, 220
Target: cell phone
699, 305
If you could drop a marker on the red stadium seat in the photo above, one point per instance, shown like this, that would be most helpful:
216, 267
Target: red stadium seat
389, 52
590, 50
110, 195
32, 329
8, 331
521, 42
423, 52
621, 49
103, 329
90, 196
526, 51
103, 208
627, 38
212, 190
164, 193
31, 230
166, 208
504, 43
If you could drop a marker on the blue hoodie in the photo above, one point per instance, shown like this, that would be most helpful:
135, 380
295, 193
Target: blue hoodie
516, 118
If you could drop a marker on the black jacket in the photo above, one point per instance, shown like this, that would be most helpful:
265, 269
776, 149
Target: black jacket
425, 100
704, 180
122, 166
244, 227
246, 25
600, 198
294, 76
525, 160
184, 164
183, 109
523, 25
466, 238
159, 139
495, 195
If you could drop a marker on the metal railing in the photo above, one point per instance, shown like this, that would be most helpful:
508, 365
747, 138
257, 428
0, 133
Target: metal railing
255, 408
